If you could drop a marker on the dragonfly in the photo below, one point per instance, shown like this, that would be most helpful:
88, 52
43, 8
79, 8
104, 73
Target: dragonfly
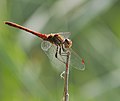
56, 46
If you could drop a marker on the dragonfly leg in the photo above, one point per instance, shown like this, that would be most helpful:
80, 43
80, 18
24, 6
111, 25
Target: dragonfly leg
64, 53
56, 55
63, 49
60, 51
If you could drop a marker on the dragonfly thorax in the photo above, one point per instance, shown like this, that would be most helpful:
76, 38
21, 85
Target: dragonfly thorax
55, 39
58, 40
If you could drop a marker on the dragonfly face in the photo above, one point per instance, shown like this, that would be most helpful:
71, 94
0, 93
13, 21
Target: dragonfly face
67, 43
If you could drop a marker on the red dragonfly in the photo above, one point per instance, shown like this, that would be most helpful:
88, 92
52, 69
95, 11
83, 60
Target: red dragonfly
57, 45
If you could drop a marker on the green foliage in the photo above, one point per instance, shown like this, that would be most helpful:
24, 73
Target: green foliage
26, 73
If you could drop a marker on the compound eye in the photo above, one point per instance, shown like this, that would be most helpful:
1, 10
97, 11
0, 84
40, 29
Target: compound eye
68, 43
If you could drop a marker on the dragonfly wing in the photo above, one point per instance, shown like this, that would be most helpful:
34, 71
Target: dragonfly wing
50, 52
45, 45
65, 34
76, 61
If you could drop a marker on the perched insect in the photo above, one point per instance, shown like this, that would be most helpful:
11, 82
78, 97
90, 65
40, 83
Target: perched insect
57, 45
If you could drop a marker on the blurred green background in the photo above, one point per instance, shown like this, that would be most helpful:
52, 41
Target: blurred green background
26, 73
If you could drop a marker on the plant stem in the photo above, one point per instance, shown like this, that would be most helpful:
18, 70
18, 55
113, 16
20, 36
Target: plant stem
66, 77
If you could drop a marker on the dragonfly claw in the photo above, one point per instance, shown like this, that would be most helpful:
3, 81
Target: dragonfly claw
62, 74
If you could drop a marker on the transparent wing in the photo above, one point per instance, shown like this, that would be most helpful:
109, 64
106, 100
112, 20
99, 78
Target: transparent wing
76, 61
45, 45
65, 34
50, 52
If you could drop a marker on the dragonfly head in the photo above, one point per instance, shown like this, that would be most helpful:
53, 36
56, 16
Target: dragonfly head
67, 43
